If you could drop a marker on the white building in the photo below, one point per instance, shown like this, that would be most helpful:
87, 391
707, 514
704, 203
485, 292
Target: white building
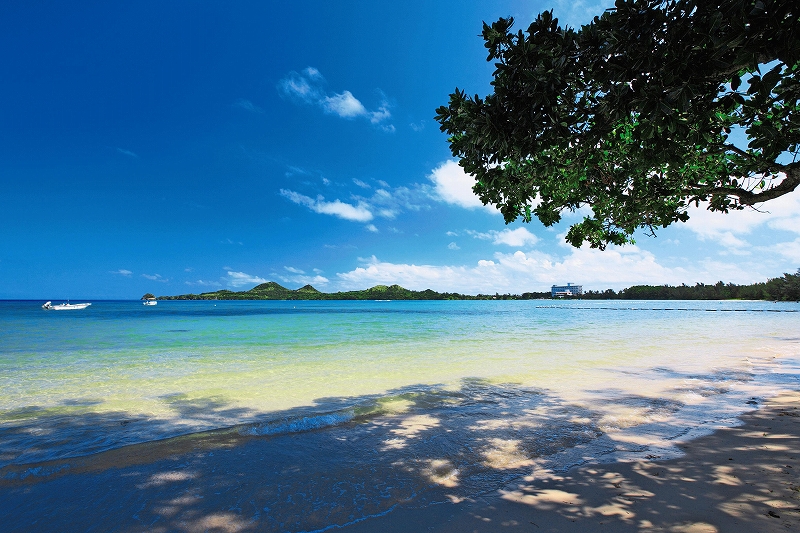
566, 291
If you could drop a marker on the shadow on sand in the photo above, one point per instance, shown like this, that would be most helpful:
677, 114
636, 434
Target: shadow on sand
479, 458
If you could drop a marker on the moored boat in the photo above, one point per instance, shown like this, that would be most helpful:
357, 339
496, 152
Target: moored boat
149, 301
64, 307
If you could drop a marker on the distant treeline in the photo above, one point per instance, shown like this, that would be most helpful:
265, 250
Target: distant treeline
786, 288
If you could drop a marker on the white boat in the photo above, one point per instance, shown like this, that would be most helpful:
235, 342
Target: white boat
149, 301
64, 307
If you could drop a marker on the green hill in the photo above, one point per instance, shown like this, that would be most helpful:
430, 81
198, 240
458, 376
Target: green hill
275, 291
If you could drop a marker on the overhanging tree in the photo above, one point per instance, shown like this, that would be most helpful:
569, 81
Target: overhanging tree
636, 115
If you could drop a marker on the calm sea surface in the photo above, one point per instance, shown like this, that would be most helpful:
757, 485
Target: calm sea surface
568, 374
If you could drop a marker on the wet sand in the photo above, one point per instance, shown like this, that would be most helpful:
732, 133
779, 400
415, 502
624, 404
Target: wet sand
745, 478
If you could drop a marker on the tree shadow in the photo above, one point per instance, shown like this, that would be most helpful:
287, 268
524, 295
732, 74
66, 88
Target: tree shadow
479, 448
738, 479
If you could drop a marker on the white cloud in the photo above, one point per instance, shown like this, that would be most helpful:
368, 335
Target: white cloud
372, 228
292, 170
453, 246
122, 272
376, 117
484, 236
383, 203
616, 266
416, 277
786, 224
203, 283
730, 272
308, 87
789, 250
343, 210
345, 105
155, 277
387, 213
389, 203
239, 279
312, 73
575, 13
516, 272
357, 213
517, 237
733, 244
126, 152
302, 86
247, 105
730, 229
454, 186
300, 279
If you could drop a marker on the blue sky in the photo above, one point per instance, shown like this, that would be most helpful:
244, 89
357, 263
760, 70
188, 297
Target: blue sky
191, 146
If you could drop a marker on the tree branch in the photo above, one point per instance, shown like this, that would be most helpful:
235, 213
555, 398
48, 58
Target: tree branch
729, 147
789, 184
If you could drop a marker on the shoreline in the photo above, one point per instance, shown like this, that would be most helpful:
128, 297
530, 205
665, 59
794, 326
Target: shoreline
728, 480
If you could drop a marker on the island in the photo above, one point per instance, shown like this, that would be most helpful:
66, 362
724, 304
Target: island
274, 291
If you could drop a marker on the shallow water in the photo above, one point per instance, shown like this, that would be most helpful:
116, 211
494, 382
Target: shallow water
469, 393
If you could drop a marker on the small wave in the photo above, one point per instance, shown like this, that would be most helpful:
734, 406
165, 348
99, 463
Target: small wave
299, 424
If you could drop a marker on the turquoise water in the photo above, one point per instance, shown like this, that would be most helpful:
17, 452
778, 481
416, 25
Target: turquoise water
74, 383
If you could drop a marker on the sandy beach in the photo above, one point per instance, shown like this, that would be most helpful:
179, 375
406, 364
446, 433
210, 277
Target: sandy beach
744, 478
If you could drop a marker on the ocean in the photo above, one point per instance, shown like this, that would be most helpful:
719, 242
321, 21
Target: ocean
437, 400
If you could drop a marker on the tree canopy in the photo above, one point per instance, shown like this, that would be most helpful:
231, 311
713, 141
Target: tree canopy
653, 106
